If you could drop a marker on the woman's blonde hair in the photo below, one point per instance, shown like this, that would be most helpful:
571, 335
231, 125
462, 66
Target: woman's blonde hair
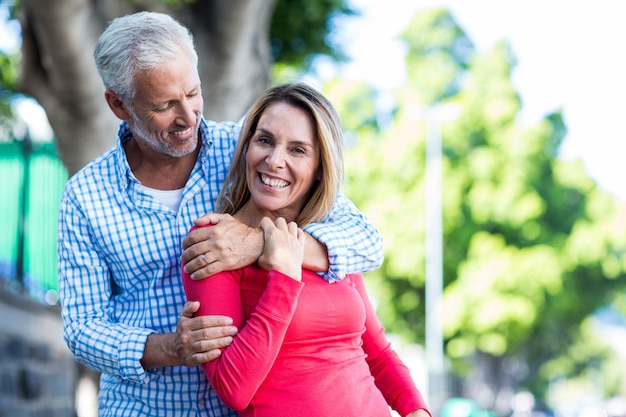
327, 129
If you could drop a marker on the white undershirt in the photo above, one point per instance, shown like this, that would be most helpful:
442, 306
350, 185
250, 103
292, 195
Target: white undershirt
170, 198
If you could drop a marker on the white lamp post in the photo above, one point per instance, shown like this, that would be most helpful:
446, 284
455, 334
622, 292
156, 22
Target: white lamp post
434, 117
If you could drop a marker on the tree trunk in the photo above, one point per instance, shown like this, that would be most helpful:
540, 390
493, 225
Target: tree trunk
58, 70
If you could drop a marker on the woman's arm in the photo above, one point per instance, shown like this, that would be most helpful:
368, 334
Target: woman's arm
241, 368
391, 376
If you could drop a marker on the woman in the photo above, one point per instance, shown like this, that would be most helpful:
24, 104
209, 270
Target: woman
305, 347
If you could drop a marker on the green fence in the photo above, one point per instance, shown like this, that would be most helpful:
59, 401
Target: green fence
31, 182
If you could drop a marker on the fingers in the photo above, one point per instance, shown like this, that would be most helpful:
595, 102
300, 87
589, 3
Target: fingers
210, 218
209, 348
266, 225
206, 342
301, 236
211, 326
189, 309
197, 262
196, 240
196, 256
209, 270
200, 358
293, 228
281, 224
193, 238
205, 265
201, 338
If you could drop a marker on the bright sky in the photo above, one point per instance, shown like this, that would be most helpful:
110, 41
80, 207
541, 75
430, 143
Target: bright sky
570, 55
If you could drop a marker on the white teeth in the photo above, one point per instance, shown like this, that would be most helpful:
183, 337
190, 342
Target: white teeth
182, 132
273, 182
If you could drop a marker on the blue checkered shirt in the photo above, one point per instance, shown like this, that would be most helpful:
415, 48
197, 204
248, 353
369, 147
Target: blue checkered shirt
120, 273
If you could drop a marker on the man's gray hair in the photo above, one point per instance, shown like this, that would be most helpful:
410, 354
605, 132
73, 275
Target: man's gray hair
137, 43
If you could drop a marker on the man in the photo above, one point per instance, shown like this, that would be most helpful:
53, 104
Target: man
124, 216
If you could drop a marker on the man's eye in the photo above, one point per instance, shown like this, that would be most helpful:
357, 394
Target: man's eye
162, 108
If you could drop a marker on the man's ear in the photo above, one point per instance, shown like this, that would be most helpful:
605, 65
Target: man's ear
116, 105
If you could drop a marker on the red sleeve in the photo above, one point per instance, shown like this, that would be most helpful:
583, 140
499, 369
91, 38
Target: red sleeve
391, 376
237, 374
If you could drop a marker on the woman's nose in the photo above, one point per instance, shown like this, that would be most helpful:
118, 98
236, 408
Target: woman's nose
275, 158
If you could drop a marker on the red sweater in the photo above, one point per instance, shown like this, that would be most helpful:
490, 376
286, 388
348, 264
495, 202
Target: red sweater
303, 348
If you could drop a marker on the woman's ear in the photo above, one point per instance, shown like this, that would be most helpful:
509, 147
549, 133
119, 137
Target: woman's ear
116, 105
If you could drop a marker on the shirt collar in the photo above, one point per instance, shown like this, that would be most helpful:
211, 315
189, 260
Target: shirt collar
126, 176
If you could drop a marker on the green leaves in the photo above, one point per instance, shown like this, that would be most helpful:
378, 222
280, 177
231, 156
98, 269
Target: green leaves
291, 45
531, 247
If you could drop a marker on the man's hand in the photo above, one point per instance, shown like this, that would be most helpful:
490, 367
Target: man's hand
197, 340
227, 245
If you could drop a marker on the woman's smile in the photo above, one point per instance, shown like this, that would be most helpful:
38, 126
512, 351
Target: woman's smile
273, 182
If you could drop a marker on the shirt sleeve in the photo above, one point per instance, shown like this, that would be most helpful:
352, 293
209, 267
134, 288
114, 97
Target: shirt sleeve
241, 368
85, 291
353, 243
390, 374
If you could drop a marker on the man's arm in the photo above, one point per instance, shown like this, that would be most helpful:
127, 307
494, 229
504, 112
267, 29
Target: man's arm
230, 244
353, 243
345, 242
112, 347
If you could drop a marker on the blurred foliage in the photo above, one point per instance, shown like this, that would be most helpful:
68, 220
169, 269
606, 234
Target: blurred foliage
8, 75
436, 59
295, 47
532, 248
292, 46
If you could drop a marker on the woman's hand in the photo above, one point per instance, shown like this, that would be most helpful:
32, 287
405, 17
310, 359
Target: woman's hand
419, 413
284, 247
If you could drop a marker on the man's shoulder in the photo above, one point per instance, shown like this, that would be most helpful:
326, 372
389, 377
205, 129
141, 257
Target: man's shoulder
102, 166
221, 130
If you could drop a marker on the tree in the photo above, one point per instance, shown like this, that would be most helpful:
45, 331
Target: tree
7, 90
532, 248
232, 38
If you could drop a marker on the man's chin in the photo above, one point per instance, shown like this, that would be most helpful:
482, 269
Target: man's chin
179, 153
